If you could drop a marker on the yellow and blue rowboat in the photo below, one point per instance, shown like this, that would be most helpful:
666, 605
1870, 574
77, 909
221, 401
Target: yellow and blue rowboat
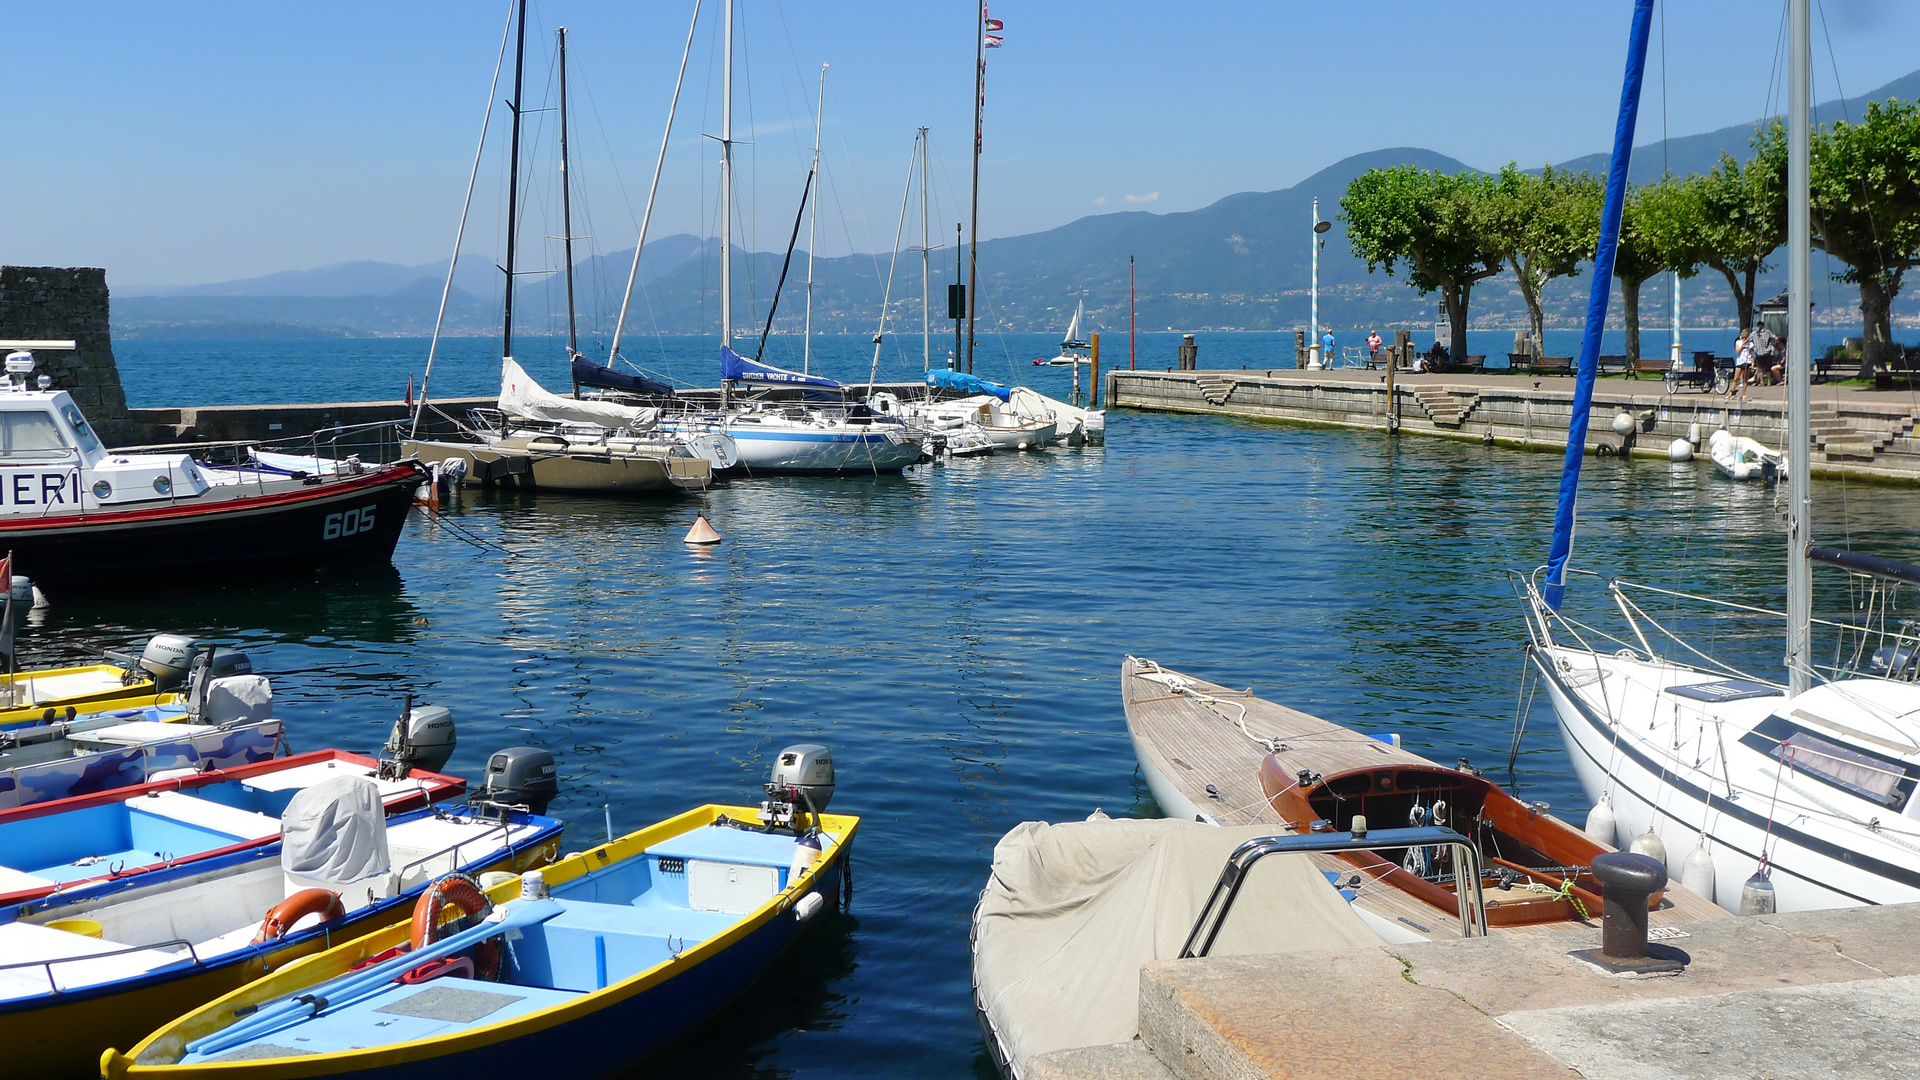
638, 940
29, 696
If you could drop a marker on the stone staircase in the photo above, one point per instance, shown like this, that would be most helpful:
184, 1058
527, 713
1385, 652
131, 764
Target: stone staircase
1216, 389
1442, 407
1840, 438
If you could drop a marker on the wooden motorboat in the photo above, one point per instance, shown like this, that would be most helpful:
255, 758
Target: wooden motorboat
612, 953
77, 515
1226, 757
1536, 866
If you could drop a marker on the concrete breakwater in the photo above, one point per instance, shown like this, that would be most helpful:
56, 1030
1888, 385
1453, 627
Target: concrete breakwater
1858, 433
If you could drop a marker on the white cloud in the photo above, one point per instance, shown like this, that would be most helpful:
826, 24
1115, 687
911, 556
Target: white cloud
1149, 197
1101, 201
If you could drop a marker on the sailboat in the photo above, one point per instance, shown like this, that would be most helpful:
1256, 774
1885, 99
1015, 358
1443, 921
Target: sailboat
1073, 346
1766, 795
539, 439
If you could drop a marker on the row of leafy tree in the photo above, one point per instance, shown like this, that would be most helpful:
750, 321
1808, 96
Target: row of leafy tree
1450, 231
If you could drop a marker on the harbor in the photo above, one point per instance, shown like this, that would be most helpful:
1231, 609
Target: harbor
741, 656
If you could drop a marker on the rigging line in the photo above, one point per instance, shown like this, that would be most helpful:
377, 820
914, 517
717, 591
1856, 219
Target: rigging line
886, 297
653, 191
459, 234
774, 306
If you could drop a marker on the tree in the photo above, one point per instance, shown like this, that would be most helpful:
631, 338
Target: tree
1866, 210
1545, 226
1654, 227
1738, 216
1431, 221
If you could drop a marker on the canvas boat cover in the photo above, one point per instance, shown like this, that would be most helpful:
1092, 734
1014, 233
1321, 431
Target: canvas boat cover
336, 832
588, 373
971, 384
1072, 911
737, 368
521, 397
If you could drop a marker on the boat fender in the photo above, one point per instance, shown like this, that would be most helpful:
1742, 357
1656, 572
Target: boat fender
1679, 450
808, 907
806, 852
283, 915
1696, 872
464, 893
1602, 826
1649, 844
1756, 896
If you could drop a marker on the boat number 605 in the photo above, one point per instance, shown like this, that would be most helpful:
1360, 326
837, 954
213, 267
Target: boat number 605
348, 523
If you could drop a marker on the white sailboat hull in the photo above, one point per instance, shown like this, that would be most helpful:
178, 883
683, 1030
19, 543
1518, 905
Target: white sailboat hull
778, 449
1679, 768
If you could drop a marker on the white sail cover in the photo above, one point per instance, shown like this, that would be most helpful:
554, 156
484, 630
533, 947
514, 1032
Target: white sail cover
521, 397
1072, 911
336, 832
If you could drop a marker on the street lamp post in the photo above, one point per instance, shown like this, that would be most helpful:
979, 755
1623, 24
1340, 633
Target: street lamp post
1315, 361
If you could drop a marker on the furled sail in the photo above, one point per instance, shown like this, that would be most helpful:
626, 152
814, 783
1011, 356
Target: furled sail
737, 368
588, 373
521, 397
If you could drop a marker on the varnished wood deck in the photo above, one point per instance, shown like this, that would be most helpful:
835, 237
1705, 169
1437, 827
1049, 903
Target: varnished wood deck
1197, 744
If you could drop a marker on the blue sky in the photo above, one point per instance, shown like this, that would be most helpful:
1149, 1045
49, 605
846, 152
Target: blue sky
185, 143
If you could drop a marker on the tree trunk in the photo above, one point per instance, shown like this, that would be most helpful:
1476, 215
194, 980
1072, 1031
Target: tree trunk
1455, 299
1630, 308
1530, 292
1746, 299
1876, 318
1742, 297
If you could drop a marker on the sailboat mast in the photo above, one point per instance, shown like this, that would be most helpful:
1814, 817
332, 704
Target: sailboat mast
726, 189
1799, 350
926, 276
973, 236
566, 212
513, 181
813, 217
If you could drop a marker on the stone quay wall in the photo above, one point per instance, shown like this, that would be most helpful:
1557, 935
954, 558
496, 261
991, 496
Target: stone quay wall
40, 303
1853, 434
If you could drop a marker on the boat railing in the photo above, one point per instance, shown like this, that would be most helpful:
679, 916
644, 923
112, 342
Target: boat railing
1213, 914
53, 986
451, 851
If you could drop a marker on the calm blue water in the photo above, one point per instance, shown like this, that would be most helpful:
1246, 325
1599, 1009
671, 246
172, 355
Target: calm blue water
956, 636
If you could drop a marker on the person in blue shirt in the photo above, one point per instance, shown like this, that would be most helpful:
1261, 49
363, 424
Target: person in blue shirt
1328, 353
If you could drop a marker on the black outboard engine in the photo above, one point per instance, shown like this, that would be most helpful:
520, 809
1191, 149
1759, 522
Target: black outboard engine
802, 781
519, 778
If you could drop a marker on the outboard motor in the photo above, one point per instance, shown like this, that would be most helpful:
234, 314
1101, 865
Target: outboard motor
207, 666
802, 781
166, 660
422, 738
519, 777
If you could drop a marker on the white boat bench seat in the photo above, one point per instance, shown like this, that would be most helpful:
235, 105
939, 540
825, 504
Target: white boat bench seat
24, 946
206, 814
12, 880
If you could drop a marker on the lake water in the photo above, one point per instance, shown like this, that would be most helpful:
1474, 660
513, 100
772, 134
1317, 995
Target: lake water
955, 635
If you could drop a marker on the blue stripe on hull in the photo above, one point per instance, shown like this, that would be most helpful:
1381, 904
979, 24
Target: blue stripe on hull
621, 1035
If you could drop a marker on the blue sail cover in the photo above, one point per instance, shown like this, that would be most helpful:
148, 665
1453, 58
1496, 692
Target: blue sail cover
737, 368
588, 373
971, 384
1556, 587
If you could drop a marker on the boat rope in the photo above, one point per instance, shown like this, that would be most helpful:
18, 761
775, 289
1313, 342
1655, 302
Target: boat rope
1523, 708
1184, 687
1564, 892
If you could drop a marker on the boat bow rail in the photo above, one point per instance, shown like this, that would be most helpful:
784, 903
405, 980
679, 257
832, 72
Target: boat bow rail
1213, 914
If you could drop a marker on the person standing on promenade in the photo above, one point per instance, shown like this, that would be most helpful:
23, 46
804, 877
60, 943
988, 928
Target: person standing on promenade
1329, 352
1742, 362
1373, 348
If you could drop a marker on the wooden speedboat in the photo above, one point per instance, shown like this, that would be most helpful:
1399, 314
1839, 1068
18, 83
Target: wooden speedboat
77, 515
82, 971
632, 943
166, 827
1226, 757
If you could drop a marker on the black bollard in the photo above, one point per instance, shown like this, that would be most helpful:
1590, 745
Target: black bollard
1626, 882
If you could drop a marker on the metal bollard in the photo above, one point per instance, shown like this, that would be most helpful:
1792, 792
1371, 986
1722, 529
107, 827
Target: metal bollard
1626, 882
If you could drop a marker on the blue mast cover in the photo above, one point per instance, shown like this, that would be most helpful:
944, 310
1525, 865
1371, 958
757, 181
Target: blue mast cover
1556, 588
971, 384
737, 368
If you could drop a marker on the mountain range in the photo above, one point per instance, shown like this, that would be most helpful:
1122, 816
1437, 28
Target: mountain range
1241, 263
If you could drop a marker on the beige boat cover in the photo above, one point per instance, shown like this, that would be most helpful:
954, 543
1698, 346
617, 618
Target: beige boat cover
1072, 911
522, 397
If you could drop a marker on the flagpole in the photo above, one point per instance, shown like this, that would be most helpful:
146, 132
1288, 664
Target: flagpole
973, 237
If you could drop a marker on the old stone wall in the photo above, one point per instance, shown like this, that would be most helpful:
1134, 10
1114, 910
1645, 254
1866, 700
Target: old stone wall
61, 303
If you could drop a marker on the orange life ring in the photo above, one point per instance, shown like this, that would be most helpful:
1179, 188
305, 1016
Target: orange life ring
464, 893
306, 902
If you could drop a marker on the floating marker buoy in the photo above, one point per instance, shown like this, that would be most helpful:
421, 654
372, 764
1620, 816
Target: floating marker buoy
702, 532
1023, 446
1649, 844
1679, 450
1602, 827
1696, 873
1756, 896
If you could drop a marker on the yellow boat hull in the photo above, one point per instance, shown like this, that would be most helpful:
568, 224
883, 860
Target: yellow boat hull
26, 696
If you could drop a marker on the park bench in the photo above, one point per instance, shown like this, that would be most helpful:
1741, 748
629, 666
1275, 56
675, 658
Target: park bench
1614, 363
1649, 366
1551, 365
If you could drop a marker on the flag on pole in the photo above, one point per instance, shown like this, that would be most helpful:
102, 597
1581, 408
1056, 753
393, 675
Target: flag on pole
993, 41
996, 24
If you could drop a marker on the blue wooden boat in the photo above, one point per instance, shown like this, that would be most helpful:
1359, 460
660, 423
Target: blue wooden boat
602, 960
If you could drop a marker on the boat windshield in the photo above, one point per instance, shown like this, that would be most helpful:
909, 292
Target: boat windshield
81, 430
30, 435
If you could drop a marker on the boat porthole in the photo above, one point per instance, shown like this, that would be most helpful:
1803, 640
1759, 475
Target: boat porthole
162, 485
102, 490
